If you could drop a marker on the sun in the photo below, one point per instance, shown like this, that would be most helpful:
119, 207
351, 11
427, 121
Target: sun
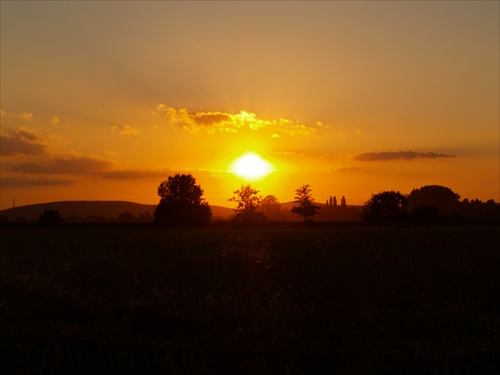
251, 166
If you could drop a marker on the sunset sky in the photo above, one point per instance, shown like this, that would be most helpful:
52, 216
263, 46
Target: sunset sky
104, 100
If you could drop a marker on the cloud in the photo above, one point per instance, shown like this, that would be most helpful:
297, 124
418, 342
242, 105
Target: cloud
27, 135
83, 164
126, 130
400, 155
348, 169
54, 120
289, 155
211, 118
18, 116
222, 122
33, 181
135, 174
26, 115
22, 142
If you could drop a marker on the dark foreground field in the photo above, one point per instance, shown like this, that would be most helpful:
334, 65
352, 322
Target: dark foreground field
346, 300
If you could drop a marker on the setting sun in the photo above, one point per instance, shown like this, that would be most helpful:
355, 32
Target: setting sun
251, 166
308, 97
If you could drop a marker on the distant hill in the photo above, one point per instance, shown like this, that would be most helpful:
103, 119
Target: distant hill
100, 211
93, 211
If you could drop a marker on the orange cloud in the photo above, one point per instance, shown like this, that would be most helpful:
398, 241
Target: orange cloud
135, 174
34, 181
126, 130
348, 169
26, 115
83, 164
22, 142
210, 118
213, 122
400, 155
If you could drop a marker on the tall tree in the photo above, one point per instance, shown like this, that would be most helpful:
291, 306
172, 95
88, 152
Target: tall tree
181, 202
304, 201
248, 201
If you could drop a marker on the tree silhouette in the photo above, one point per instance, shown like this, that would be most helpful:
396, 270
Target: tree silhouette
434, 195
50, 217
305, 203
126, 217
385, 206
247, 200
271, 207
181, 202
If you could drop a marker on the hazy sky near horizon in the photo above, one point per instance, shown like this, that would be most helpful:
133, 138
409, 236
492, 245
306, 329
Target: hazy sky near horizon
104, 100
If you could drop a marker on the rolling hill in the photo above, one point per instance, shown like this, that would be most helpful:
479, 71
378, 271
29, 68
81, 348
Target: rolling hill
92, 211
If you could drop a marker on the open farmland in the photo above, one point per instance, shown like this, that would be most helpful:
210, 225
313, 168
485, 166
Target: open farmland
274, 300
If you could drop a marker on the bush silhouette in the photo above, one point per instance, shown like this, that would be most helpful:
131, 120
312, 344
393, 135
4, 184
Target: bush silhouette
50, 217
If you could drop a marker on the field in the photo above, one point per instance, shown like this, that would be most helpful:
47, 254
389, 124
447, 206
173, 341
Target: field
277, 300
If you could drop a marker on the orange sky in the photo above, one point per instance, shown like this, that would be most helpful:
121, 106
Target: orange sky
104, 100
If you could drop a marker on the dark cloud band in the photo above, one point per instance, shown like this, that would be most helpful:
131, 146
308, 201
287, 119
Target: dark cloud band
82, 164
400, 155
22, 142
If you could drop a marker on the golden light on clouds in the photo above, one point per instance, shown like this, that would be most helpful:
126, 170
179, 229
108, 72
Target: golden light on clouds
223, 122
251, 166
126, 130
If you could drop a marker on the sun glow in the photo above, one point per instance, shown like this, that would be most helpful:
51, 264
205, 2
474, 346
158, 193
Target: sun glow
251, 166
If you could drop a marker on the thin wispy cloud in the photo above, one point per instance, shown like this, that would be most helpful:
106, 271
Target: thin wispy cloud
12, 115
83, 164
222, 122
26, 115
126, 130
34, 181
135, 174
400, 155
348, 169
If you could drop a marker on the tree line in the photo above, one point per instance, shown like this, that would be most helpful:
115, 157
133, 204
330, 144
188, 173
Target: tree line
182, 203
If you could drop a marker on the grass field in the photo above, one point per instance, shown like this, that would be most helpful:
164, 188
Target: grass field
277, 300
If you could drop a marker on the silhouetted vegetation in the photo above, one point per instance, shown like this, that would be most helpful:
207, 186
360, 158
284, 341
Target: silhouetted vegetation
431, 204
478, 210
387, 206
427, 205
304, 201
271, 208
443, 198
125, 217
267, 300
332, 211
255, 299
181, 202
50, 217
247, 204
